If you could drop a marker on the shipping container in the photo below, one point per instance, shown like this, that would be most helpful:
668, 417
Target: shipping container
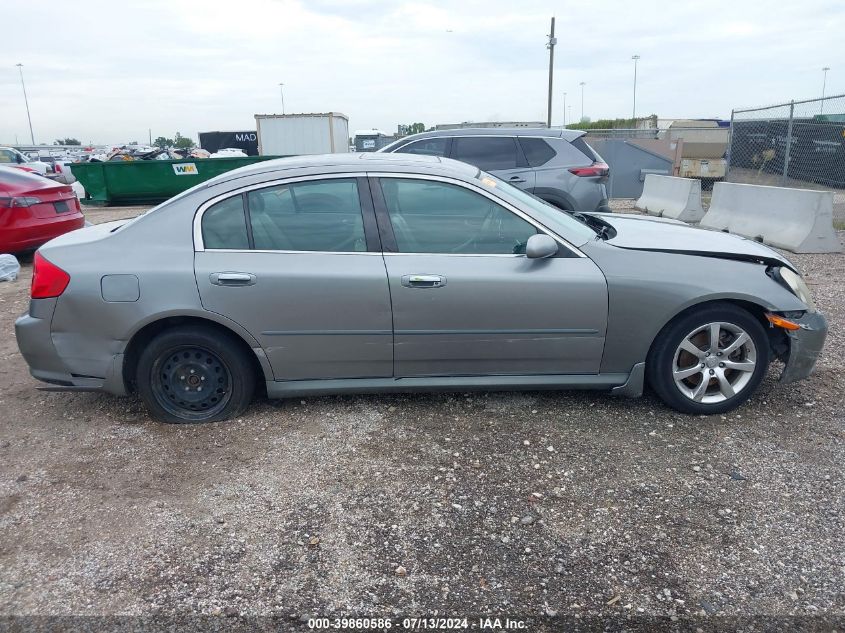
297, 134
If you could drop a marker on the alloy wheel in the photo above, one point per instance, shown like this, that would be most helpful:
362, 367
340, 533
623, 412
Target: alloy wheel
714, 362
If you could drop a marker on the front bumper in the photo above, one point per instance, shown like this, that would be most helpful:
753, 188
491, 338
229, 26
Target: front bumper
35, 342
805, 345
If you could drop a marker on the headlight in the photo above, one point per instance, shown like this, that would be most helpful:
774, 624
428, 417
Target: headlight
798, 287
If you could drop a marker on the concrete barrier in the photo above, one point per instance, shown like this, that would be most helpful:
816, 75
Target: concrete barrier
671, 197
798, 220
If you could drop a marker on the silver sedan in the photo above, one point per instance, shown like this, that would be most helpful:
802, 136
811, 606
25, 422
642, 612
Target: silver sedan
391, 272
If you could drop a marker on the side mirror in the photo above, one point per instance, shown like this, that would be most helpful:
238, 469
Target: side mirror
540, 246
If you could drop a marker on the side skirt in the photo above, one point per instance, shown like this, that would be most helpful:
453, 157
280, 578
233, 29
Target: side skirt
294, 388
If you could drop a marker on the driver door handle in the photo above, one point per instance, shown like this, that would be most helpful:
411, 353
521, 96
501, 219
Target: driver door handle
517, 179
423, 281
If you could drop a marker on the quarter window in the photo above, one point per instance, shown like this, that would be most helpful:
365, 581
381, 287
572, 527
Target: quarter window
316, 215
435, 217
537, 151
224, 225
486, 152
427, 146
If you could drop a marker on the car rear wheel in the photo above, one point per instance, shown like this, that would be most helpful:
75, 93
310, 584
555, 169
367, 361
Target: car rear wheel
710, 360
190, 374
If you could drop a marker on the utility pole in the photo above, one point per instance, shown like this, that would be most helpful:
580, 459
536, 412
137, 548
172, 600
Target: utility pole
282, 90
634, 116
150, 130
551, 46
582, 84
564, 109
26, 101
824, 85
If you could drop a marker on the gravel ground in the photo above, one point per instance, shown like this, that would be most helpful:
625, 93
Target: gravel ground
549, 506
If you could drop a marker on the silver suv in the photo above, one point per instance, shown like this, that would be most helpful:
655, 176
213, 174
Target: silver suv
557, 166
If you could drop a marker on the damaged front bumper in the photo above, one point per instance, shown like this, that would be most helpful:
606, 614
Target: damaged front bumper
805, 345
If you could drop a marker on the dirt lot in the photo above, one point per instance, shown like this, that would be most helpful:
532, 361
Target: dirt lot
542, 505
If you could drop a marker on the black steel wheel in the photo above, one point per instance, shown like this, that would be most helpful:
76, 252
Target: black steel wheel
191, 374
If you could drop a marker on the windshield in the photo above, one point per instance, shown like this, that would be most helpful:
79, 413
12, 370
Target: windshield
559, 221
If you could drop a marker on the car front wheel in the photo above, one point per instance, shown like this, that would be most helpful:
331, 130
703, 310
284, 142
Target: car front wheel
710, 360
191, 374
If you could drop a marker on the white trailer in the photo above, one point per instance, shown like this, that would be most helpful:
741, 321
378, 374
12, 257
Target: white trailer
298, 134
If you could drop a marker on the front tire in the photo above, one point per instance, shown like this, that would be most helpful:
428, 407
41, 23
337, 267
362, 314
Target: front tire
195, 374
710, 360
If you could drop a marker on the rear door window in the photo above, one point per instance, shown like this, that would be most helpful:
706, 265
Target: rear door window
315, 215
486, 152
537, 151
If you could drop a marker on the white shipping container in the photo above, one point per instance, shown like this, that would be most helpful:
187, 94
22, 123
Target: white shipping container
298, 134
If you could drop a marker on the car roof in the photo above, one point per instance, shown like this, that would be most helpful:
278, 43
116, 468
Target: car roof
567, 135
355, 162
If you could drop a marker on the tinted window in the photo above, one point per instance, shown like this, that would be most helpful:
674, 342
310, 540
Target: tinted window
319, 215
537, 151
224, 225
435, 217
586, 149
486, 152
428, 146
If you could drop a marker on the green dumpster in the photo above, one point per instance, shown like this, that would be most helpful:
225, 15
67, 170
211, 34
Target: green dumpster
150, 181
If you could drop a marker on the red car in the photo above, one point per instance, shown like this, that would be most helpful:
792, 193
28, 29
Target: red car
34, 210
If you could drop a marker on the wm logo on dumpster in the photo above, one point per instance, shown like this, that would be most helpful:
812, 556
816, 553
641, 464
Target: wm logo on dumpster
185, 169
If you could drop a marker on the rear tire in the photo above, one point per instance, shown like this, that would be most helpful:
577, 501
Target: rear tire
195, 374
693, 375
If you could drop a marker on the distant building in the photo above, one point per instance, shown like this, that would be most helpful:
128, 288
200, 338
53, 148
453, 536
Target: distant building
371, 140
489, 124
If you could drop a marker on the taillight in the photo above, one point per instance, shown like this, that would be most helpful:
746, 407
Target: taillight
57, 168
48, 280
23, 201
593, 171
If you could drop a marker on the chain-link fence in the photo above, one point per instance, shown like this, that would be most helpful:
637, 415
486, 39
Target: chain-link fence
796, 144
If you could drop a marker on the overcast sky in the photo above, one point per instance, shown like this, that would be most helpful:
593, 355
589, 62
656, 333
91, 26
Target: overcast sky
106, 71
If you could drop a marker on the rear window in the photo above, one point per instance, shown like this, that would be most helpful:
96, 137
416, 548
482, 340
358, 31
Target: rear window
15, 176
537, 151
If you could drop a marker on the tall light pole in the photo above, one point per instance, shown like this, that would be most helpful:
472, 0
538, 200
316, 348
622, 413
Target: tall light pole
282, 91
636, 58
551, 46
564, 109
26, 101
824, 85
582, 84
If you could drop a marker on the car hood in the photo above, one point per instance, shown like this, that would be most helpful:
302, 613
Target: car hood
643, 234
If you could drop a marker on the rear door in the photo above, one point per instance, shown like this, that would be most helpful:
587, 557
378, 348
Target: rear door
299, 265
467, 301
500, 155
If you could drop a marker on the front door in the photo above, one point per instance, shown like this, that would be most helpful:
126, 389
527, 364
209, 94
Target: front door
294, 265
467, 301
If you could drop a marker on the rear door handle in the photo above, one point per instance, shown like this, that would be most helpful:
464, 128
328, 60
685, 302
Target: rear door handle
423, 281
232, 279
